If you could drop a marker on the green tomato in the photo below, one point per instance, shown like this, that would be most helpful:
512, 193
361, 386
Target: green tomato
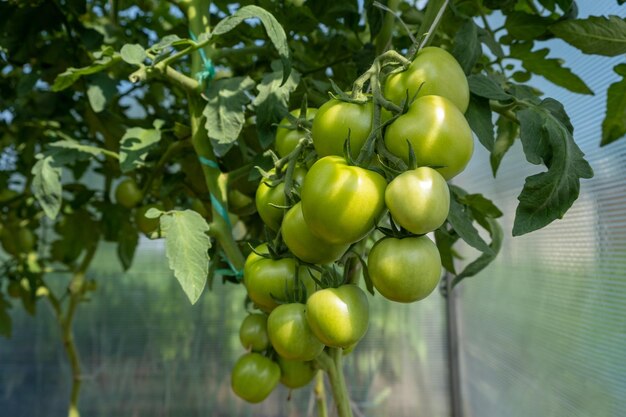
286, 138
404, 270
342, 203
253, 332
16, 240
128, 193
339, 317
433, 72
268, 280
296, 374
254, 377
290, 333
304, 244
418, 200
438, 132
145, 224
270, 200
334, 120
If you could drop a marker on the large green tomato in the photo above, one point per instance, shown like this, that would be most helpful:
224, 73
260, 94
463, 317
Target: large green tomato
304, 244
270, 200
253, 332
339, 317
437, 73
268, 280
342, 203
404, 270
296, 374
290, 333
286, 138
128, 193
254, 377
418, 200
334, 120
438, 132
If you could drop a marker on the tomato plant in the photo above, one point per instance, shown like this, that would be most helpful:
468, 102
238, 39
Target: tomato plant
339, 317
341, 203
303, 243
418, 200
434, 71
254, 377
290, 333
288, 136
271, 201
404, 270
337, 120
438, 133
253, 332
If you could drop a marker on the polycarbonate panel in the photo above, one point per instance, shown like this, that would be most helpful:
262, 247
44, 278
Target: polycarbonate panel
543, 330
147, 352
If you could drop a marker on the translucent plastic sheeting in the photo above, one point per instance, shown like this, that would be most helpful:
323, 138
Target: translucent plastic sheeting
543, 330
147, 352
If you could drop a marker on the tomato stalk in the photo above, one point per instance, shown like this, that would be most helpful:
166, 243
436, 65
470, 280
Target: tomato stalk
198, 23
320, 395
331, 363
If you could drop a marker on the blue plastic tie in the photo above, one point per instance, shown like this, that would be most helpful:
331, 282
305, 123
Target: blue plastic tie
208, 73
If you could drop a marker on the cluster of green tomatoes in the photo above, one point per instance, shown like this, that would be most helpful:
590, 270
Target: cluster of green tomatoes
306, 302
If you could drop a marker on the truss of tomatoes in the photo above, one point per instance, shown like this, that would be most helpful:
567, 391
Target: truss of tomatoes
340, 205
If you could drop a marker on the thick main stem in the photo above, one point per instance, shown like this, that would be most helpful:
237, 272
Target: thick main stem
320, 395
338, 383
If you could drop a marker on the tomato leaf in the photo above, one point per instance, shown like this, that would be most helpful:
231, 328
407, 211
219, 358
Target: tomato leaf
274, 30
506, 134
127, 241
47, 186
6, 325
526, 26
225, 111
478, 116
473, 268
133, 54
467, 48
271, 104
101, 89
547, 137
549, 68
104, 59
599, 35
135, 145
485, 86
186, 248
614, 124
445, 240
461, 220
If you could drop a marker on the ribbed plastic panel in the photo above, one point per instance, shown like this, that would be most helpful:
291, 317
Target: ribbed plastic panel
543, 330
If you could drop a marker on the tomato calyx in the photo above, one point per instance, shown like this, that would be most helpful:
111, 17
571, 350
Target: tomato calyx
396, 231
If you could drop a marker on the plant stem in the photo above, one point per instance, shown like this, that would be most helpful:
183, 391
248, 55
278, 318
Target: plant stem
320, 395
383, 39
338, 383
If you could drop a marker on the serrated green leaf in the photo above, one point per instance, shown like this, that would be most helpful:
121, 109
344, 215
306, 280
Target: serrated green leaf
133, 54
549, 68
186, 248
153, 213
488, 40
478, 116
473, 268
135, 145
485, 86
274, 30
614, 123
546, 136
506, 133
445, 241
271, 104
467, 48
105, 59
127, 241
480, 204
6, 325
225, 111
599, 35
100, 90
461, 220
525, 26
47, 186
